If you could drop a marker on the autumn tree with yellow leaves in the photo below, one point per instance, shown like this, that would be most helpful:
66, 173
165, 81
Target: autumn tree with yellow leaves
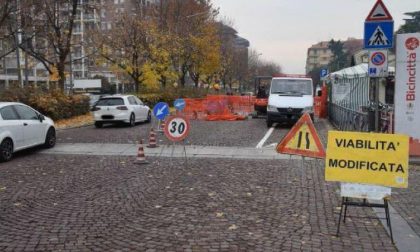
192, 45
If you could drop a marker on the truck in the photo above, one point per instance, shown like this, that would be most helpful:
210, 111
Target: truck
289, 98
261, 90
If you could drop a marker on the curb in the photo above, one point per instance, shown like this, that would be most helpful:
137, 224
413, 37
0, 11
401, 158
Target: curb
75, 126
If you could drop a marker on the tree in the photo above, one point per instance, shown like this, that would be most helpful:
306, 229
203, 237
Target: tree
185, 23
132, 42
48, 34
315, 74
411, 25
6, 29
205, 57
340, 58
107, 88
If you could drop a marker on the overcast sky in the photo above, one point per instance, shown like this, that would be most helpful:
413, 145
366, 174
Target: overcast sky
283, 30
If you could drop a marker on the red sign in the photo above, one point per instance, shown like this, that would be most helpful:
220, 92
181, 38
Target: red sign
302, 140
379, 12
176, 128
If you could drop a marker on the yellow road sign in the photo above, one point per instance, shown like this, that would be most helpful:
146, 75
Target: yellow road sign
367, 158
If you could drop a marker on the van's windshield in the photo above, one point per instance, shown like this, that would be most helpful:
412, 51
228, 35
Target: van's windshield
291, 86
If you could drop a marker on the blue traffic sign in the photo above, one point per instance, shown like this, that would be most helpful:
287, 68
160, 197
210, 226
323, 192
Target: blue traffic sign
379, 35
179, 104
161, 110
324, 73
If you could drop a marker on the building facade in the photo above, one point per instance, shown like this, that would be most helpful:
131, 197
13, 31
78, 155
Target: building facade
319, 55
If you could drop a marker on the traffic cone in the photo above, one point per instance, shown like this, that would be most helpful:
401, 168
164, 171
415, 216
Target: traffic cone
152, 139
162, 126
141, 159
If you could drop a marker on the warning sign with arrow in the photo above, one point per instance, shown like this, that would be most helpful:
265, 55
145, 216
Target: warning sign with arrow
302, 140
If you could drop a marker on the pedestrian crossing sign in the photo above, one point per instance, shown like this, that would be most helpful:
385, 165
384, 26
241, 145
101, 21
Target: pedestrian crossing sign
302, 140
379, 35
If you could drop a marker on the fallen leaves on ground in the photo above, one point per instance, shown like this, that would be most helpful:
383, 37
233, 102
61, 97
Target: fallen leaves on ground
76, 121
233, 227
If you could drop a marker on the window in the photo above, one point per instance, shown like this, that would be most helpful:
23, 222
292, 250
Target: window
131, 100
8, 113
138, 101
110, 102
291, 86
26, 113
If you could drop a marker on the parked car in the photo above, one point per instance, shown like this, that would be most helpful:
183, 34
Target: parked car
23, 127
120, 108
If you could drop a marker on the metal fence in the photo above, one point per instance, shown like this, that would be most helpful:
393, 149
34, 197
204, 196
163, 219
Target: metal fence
347, 119
364, 121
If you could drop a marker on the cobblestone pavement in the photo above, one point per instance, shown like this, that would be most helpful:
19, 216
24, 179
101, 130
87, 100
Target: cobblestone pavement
79, 203
238, 133
407, 201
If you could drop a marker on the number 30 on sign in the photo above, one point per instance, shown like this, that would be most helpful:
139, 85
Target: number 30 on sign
177, 128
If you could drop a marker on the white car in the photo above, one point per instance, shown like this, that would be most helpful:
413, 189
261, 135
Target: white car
22, 127
120, 108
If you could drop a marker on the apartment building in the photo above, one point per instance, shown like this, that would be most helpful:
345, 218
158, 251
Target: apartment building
320, 55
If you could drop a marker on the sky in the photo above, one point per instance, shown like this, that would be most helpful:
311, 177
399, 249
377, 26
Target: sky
283, 30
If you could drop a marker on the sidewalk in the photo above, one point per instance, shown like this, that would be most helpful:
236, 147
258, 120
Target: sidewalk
174, 151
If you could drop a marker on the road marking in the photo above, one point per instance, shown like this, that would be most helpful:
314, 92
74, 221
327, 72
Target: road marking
267, 135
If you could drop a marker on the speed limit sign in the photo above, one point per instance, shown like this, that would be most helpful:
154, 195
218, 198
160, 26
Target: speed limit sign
177, 128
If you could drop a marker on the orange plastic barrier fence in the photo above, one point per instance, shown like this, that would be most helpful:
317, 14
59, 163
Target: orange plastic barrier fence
320, 104
414, 147
317, 105
219, 107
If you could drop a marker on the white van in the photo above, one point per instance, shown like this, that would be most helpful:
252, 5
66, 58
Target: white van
290, 97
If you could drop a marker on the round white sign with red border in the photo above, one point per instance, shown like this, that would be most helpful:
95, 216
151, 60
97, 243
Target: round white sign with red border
176, 128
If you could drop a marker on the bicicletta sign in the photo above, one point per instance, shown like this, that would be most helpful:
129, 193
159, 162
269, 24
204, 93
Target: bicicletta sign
407, 89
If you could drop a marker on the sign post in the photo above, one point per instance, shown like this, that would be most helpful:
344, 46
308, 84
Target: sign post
379, 34
179, 104
323, 74
368, 163
160, 111
302, 140
177, 129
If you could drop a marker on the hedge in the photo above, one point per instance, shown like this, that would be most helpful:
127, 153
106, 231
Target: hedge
52, 103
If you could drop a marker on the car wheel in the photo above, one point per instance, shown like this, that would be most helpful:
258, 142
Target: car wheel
6, 150
149, 117
50, 139
269, 123
132, 120
98, 124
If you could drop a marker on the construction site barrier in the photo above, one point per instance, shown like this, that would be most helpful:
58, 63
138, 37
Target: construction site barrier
219, 107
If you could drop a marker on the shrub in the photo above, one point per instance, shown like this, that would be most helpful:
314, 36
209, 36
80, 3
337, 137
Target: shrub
52, 103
